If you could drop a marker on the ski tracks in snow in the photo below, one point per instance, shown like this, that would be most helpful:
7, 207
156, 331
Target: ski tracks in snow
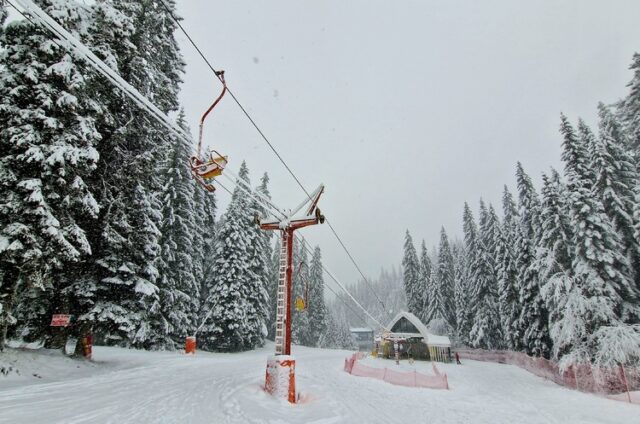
169, 387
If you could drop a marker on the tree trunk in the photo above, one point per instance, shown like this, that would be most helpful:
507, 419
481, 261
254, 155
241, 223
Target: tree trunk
56, 337
8, 290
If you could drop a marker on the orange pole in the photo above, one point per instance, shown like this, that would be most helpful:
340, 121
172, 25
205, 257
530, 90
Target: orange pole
626, 384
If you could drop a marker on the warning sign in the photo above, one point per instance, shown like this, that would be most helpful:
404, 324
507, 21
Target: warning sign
60, 320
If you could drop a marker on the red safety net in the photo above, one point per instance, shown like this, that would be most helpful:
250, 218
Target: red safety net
399, 378
621, 383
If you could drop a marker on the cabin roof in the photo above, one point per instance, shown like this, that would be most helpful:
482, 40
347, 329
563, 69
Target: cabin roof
430, 339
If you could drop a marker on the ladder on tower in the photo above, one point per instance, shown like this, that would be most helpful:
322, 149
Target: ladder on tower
281, 298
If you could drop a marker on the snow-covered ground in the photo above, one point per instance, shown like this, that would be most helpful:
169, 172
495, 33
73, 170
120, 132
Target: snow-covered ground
128, 386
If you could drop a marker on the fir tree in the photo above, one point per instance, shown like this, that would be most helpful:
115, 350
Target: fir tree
486, 332
615, 184
595, 225
460, 290
443, 300
317, 310
338, 335
575, 154
533, 323
411, 275
178, 288
506, 253
300, 319
433, 287
465, 318
135, 38
3, 15
630, 108
599, 296
555, 248
426, 309
48, 141
259, 257
234, 317
204, 257
555, 251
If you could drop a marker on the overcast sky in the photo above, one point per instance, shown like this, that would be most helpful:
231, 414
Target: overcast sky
404, 109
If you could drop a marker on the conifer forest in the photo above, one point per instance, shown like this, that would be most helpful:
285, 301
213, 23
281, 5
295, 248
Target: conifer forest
555, 271
319, 212
100, 219
99, 215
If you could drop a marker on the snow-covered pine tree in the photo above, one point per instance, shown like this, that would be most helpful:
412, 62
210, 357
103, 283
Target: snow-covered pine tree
555, 251
443, 300
178, 287
433, 288
272, 263
600, 296
533, 322
411, 275
555, 248
300, 319
317, 309
231, 324
259, 257
135, 38
581, 152
48, 142
486, 331
465, 318
630, 108
338, 335
3, 15
425, 310
616, 183
506, 253
268, 247
460, 290
204, 239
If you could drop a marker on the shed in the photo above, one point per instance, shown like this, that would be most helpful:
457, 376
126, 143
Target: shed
363, 337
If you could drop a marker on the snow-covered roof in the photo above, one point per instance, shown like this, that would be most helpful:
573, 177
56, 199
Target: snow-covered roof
442, 341
430, 339
360, 330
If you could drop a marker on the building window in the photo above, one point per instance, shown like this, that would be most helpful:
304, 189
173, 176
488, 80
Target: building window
404, 326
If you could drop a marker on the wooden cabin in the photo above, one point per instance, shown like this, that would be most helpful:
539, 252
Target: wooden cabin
413, 339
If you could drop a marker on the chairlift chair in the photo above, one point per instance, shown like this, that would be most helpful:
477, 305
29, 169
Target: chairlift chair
205, 170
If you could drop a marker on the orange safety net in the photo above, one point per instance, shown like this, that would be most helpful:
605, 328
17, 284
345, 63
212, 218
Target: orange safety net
399, 378
620, 383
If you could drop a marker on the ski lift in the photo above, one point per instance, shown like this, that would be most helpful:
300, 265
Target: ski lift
204, 170
302, 303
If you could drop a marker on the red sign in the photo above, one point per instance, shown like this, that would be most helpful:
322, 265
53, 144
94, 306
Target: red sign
60, 320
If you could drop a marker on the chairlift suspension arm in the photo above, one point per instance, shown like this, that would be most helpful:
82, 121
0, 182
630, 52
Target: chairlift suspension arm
204, 116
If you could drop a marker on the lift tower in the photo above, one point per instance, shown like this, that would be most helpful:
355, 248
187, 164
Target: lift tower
280, 378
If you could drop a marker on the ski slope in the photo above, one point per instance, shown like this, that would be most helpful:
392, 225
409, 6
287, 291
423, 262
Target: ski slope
128, 386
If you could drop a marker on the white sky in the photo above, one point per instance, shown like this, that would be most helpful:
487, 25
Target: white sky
404, 109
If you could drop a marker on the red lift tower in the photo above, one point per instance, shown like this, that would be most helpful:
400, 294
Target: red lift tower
280, 377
